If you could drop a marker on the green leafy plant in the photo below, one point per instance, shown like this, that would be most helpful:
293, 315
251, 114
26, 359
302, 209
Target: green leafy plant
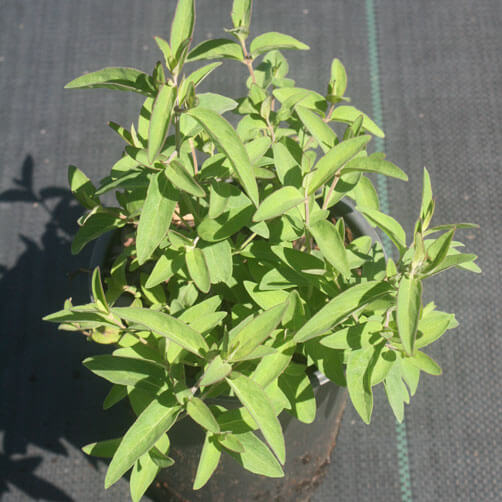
233, 276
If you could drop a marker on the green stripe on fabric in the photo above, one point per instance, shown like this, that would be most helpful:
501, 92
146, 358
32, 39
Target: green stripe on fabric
376, 98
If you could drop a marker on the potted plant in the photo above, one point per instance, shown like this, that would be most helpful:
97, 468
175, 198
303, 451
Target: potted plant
234, 276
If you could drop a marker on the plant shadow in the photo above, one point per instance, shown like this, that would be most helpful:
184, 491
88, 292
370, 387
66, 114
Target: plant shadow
49, 402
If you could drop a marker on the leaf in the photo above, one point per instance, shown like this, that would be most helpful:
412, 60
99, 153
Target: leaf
438, 251
198, 76
339, 308
256, 402
287, 168
165, 267
255, 332
459, 260
95, 225
197, 268
143, 473
339, 77
396, 391
156, 419
156, 216
409, 303
230, 442
317, 127
160, 120
298, 390
427, 205
82, 188
375, 164
165, 325
349, 114
334, 159
215, 371
209, 459
98, 292
241, 13
224, 135
102, 449
364, 193
182, 25
166, 51
273, 40
256, 457
116, 394
199, 411
123, 79
359, 382
425, 363
180, 178
278, 203
389, 225
219, 261
331, 245
433, 326
265, 299
127, 371
215, 49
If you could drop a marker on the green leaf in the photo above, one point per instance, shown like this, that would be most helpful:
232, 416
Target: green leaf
95, 225
165, 267
102, 449
290, 96
98, 292
177, 174
317, 127
364, 193
156, 216
410, 374
224, 135
255, 332
160, 120
298, 390
209, 459
331, 245
409, 304
182, 25
459, 260
165, 325
166, 51
152, 423
256, 402
199, 411
143, 473
215, 371
359, 381
197, 76
288, 169
273, 40
115, 394
433, 326
334, 160
375, 164
278, 203
349, 114
256, 457
197, 268
396, 391
230, 442
82, 188
427, 206
123, 79
241, 13
265, 299
342, 306
338, 77
127, 371
219, 261
438, 251
388, 224
215, 49
425, 363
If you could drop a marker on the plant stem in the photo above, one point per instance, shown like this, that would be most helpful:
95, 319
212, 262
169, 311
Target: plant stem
194, 157
248, 60
330, 112
330, 191
246, 242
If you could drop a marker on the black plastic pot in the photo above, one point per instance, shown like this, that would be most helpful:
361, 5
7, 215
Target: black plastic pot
308, 446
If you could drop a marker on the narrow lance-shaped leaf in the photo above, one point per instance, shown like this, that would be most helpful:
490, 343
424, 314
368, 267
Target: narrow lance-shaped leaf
102, 449
359, 382
409, 303
278, 203
274, 40
197, 268
154, 421
124, 79
182, 26
339, 308
254, 399
98, 292
338, 77
156, 216
438, 250
425, 363
427, 206
215, 49
256, 332
334, 159
208, 462
161, 118
224, 135
165, 325
317, 127
375, 163
95, 225
199, 411
331, 245
143, 473
82, 188
349, 114
180, 178
216, 370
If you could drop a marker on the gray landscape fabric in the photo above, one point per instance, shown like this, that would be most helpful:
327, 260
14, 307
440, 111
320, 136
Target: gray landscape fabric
432, 73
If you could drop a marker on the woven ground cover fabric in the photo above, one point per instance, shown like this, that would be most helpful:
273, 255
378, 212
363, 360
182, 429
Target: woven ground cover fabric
433, 70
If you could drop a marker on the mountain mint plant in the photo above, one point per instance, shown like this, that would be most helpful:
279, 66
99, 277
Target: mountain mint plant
234, 277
